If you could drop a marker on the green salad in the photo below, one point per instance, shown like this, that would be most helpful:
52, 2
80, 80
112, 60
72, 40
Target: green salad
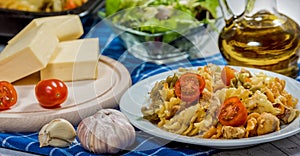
158, 16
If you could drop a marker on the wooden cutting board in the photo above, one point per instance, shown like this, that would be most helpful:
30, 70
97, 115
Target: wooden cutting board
85, 98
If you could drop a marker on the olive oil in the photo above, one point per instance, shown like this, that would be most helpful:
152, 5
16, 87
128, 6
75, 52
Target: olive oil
264, 41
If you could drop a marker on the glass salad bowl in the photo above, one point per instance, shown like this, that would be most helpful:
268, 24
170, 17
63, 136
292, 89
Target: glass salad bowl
161, 34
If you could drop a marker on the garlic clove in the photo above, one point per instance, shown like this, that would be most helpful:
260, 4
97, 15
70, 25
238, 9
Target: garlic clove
58, 133
57, 142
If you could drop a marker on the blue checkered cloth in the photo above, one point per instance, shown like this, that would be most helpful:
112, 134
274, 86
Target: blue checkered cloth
145, 144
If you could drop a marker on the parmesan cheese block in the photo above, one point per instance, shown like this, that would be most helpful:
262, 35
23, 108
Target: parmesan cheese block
65, 27
73, 60
27, 55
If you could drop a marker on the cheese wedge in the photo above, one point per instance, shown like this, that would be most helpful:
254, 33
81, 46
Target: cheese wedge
27, 55
31, 79
65, 27
73, 60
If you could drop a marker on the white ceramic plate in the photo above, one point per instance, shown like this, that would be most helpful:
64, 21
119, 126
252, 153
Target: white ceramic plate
137, 96
85, 98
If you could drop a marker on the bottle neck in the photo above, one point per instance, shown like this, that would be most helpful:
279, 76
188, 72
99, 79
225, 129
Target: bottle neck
255, 6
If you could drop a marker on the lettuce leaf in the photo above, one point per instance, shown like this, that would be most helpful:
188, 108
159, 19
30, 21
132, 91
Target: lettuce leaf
157, 16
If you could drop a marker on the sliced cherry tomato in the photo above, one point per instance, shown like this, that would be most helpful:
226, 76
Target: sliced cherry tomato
51, 92
189, 87
8, 95
233, 112
227, 74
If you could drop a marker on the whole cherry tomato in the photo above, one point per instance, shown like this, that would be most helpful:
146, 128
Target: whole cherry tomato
227, 74
8, 95
51, 92
189, 86
233, 112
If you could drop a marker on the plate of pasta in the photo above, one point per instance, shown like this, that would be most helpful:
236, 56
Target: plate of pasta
216, 106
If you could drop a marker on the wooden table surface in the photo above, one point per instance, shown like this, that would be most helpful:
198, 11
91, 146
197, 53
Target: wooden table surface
287, 146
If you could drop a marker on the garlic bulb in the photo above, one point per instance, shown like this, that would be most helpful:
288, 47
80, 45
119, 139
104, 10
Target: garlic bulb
107, 131
58, 133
